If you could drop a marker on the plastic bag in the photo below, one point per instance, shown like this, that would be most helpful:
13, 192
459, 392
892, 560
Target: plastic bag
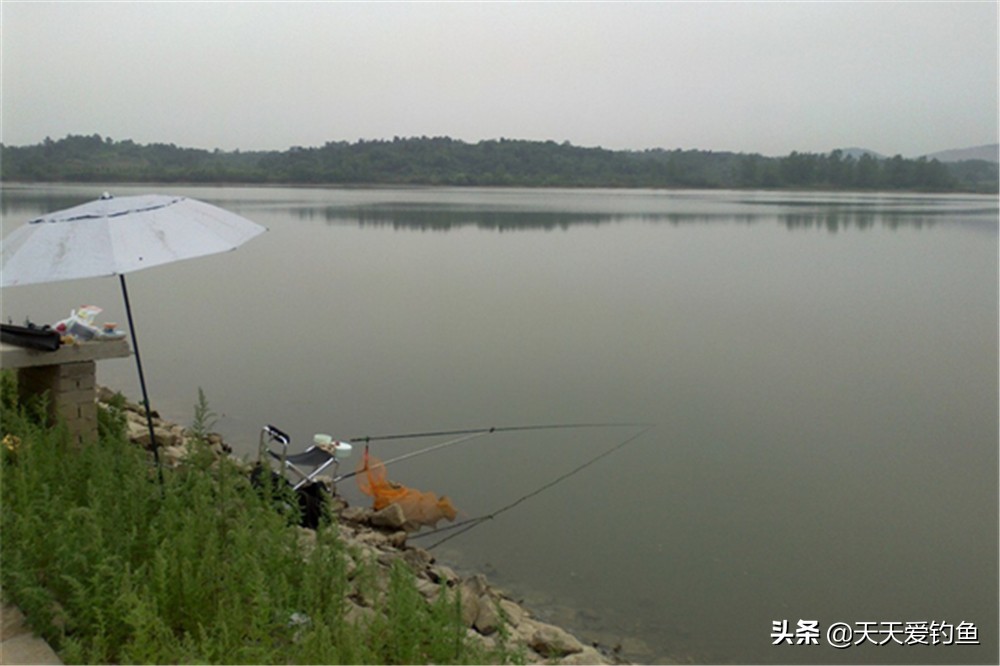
80, 326
80, 323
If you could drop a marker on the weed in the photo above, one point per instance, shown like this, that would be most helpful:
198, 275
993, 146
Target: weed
110, 567
204, 418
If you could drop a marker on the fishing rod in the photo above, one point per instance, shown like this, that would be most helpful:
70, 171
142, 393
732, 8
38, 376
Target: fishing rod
445, 433
469, 434
467, 525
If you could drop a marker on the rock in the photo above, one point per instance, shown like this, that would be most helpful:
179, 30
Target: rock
525, 629
365, 554
469, 599
134, 429
370, 538
138, 433
487, 642
356, 514
488, 618
418, 558
219, 447
386, 558
586, 656
551, 641
443, 575
135, 412
398, 539
172, 454
476, 584
391, 516
105, 395
337, 504
429, 590
513, 614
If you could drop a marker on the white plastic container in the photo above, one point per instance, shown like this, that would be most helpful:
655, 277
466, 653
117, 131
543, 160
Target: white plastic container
340, 449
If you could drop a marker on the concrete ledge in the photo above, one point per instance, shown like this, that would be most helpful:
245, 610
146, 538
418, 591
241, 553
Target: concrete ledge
68, 375
12, 356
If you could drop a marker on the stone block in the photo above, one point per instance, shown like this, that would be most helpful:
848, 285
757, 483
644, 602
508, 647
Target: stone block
551, 641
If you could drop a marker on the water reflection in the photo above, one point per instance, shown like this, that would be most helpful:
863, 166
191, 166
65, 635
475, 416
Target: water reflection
511, 209
443, 218
38, 201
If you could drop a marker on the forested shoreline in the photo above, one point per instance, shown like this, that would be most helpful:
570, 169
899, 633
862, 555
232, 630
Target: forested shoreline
502, 162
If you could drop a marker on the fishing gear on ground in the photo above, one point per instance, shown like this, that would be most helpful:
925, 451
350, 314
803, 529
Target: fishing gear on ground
419, 508
307, 497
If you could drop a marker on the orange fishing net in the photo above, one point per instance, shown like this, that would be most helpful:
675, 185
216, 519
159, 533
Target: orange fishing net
420, 508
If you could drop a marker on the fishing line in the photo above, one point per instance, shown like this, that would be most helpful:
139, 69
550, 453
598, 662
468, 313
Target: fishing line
467, 525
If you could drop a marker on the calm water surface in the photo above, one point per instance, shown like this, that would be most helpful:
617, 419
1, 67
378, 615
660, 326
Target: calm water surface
821, 370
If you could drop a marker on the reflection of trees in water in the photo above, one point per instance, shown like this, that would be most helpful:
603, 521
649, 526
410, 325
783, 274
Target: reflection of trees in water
891, 212
31, 204
442, 218
836, 221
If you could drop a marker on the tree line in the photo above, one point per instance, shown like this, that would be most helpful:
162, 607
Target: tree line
500, 162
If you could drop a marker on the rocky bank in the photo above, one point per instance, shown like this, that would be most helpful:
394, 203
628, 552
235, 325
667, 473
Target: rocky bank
378, 538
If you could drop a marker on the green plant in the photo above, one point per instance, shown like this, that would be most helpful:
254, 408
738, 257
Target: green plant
111, 417
204, 418
112, 567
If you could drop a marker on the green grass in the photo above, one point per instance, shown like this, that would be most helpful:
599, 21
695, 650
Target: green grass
110, 566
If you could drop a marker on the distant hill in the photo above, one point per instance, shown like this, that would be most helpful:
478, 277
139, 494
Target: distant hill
858, 152
987, 153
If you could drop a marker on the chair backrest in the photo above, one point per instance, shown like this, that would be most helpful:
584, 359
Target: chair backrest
269, 434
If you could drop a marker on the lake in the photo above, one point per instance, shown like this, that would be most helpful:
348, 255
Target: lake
821, 370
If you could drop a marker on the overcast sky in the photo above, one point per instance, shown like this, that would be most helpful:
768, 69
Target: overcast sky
896, 77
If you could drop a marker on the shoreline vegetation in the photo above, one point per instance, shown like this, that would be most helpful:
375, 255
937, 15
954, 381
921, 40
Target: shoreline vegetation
442, 161
112, 566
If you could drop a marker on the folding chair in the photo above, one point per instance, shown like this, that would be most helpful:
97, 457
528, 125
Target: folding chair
323, 454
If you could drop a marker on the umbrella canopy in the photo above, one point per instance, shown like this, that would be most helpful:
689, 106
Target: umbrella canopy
114, 236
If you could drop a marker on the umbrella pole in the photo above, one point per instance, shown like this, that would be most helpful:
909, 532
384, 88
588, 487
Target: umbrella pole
142, 380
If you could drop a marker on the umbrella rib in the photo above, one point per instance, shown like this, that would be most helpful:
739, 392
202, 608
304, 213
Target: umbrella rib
92, 216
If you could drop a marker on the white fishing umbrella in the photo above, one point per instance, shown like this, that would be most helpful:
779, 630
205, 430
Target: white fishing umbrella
118, 235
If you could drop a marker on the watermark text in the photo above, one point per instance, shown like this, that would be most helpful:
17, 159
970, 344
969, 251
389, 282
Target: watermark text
843, 635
